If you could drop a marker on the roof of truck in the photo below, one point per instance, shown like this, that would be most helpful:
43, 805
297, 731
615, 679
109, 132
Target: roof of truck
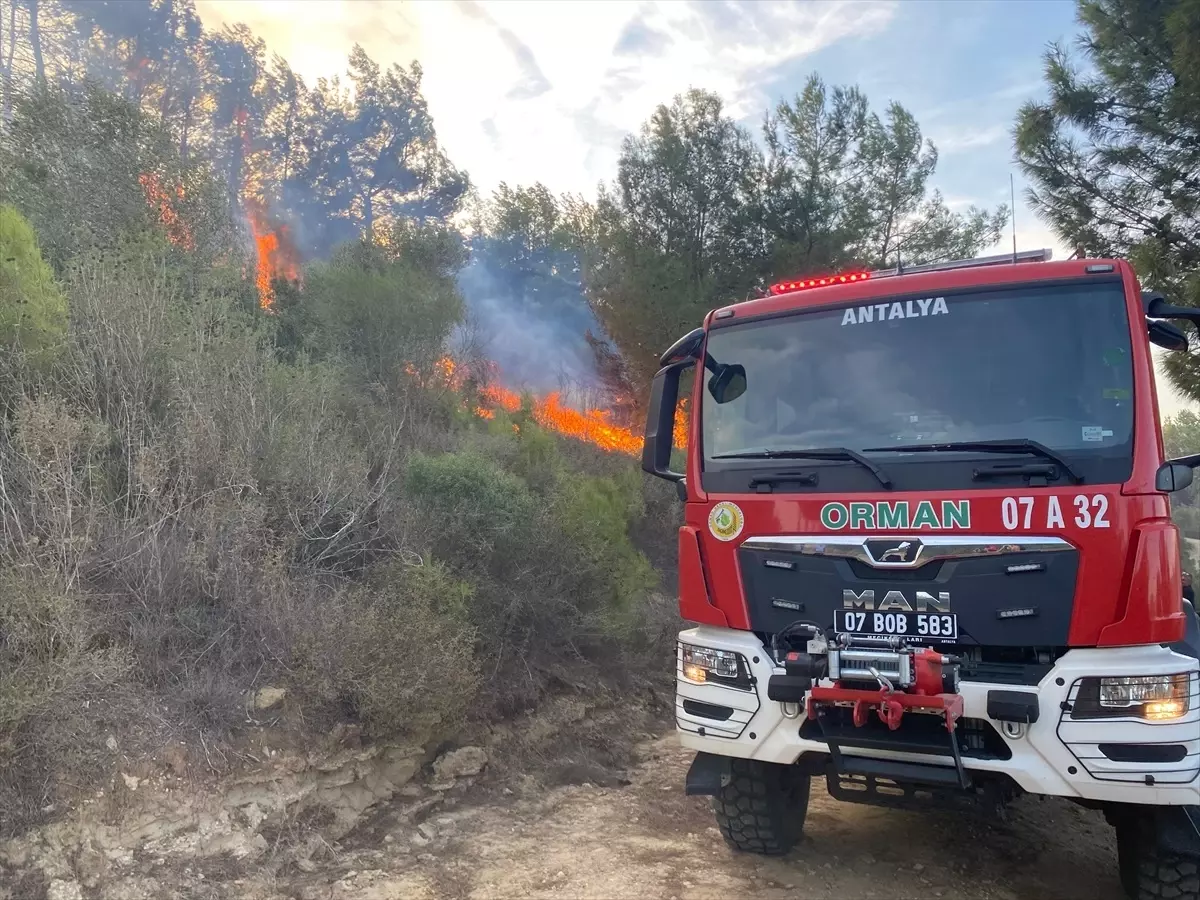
888, 285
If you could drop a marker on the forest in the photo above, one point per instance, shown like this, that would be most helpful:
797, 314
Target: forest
287, 401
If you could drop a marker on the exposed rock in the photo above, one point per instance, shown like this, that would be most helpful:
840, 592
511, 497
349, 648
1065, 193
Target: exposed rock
111, 743
64, 890
427, 830
91, 867
175, 756
464, 762
346, 733
268, 697
164, 822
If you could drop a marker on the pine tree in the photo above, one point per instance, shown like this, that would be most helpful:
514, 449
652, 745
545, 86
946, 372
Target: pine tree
33, 312
1114, 155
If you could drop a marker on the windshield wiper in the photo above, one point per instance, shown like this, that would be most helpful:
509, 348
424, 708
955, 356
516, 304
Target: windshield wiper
831, 453
1011, 445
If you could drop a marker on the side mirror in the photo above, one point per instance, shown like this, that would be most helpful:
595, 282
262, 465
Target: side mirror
728, 383
1174, 475
1166, 335
660, 422
684, 349
1157, 307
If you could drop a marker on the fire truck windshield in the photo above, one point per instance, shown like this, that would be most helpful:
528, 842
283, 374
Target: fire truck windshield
1050, 363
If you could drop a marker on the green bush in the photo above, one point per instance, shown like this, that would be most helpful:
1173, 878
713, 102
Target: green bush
385, 314
559, 584
594, 515
475, 509
396, 651
33, 311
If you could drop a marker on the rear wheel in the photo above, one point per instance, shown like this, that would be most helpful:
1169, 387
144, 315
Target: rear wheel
1150, 873
762, 809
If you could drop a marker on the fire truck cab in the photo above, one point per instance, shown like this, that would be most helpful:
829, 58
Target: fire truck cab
928, 553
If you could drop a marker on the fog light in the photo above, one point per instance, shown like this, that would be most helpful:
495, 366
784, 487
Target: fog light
1152, 697
704, 665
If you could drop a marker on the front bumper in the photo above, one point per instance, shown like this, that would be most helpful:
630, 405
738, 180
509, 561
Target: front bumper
1056, 755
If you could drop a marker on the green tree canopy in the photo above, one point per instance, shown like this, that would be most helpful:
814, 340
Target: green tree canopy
33, 311
848, 186
1114, 154
701, 216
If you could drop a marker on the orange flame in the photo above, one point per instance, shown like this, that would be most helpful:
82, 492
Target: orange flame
275, 256
679, 434
157, 196
595, 426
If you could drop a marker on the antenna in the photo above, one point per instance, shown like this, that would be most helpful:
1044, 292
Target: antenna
1012, 191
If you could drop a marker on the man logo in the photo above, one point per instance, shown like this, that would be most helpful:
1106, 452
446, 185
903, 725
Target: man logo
895, 601
892, 553
899, 554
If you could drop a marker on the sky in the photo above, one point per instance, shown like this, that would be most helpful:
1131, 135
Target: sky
530, 90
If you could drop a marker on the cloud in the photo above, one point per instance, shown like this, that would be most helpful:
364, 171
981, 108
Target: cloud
640, 39
533, 83
969, 138
525, 91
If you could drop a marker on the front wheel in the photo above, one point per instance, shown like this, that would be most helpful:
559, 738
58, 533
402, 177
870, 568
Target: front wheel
762, 809
1150, 873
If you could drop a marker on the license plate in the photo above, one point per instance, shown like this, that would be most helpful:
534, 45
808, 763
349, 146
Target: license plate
916, 625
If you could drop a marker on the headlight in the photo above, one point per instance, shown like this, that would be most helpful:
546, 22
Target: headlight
1152, 697
703, 665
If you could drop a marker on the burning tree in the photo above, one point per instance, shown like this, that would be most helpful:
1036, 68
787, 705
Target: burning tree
305, 170
163, 200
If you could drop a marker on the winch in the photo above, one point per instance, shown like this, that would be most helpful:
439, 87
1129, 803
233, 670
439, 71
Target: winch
883, 674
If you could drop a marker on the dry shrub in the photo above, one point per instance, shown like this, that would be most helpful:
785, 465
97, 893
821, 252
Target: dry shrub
63, 687
395, 652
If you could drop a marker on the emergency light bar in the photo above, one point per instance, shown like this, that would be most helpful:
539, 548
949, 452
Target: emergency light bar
785, 287
1028, 256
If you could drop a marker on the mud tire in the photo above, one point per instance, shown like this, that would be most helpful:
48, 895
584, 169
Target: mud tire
763, 807
1149, 873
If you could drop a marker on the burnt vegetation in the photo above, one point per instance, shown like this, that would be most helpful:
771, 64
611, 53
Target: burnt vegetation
251, 429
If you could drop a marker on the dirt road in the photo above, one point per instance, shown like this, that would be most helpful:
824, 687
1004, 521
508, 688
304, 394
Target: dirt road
646, 839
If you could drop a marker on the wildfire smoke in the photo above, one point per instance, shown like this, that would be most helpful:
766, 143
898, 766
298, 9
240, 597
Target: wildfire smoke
276, 257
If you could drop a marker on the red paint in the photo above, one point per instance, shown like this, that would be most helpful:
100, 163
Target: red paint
1128, 589
927, 671
694, 601
890, 706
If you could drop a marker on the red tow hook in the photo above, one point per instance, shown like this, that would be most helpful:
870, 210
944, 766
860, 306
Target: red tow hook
891, 712
928, 693
890, 706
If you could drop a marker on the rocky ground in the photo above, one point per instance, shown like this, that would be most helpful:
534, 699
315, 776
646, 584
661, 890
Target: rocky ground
614, 837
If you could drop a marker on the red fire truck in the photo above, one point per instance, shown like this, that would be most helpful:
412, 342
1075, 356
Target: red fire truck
929, 554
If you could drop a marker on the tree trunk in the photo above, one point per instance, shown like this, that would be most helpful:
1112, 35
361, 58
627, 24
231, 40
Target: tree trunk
168, 76
8, 63
35, 40
235, 172
3, 72
185, 130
